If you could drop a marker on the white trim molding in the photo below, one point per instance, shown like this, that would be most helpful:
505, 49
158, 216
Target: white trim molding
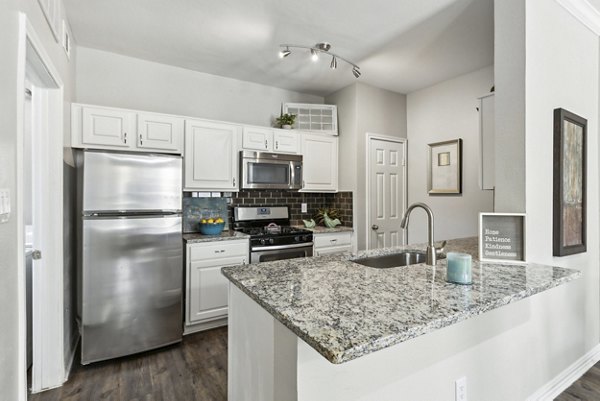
585, 12
560, 383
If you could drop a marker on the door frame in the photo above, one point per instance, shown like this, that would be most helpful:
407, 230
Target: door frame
48, 368
381, 137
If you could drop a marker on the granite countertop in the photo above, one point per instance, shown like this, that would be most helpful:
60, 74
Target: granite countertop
326, 230
226, 235
345, 310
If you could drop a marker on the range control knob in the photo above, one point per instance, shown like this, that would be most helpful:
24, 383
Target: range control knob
271, 241
306, 238
262, 241
297, 238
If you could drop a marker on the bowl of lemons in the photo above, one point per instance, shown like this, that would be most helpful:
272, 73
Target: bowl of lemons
212, 226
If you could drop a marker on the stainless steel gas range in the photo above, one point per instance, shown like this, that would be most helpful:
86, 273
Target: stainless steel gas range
271, 236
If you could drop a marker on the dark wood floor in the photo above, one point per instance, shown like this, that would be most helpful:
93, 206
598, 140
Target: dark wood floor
587, 388
196, 370
193, 370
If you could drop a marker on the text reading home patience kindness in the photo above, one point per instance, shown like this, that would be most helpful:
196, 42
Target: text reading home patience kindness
497, 246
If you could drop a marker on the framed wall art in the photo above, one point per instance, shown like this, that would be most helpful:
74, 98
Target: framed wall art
502, 237
569, 203
444, 175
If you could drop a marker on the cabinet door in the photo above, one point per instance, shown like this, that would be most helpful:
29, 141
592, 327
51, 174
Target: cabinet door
160, 132
285, 141
208, 289
487, 142
256, 138
108, 127
320, 163
211, 156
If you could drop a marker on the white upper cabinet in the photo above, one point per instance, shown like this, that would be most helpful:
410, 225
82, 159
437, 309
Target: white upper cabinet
285, 141
319, 163
156, 131
487, 141
270, 140
108, 127
97, 127
211, 156
257, 138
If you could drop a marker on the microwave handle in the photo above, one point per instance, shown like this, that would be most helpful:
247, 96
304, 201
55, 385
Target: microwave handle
292, 175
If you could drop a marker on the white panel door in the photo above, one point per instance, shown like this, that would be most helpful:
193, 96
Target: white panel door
387, 193
319, 162
109, 127
285, 141
211, 156
257, 138
160, 132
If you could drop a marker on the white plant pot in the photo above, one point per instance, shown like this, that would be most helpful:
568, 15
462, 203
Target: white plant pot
286, 126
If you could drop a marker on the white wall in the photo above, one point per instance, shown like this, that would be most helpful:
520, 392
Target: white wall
364, 109
562, 72
444, 112
111, 79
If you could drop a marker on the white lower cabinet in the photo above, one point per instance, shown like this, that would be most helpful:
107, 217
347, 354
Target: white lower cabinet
332, 243
206, 287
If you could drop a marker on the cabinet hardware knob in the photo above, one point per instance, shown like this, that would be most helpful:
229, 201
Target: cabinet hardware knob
266, 144
125, 137
234, 181
277, 145
141, 142
375, 227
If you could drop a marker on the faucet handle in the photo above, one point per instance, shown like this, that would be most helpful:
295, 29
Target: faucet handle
441, 248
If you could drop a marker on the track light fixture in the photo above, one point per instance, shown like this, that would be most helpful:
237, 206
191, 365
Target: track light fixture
322, 47
284, 53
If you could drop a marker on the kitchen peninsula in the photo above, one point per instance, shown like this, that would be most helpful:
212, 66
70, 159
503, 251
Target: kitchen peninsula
309, 329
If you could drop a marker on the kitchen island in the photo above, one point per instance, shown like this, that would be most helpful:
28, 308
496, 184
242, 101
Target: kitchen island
299, 326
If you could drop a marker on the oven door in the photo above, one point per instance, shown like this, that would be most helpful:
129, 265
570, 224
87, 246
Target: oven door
270, 253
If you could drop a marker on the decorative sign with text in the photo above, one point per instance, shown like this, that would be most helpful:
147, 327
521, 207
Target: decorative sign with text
502, 237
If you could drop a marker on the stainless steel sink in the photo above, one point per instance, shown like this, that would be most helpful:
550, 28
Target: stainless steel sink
394, 260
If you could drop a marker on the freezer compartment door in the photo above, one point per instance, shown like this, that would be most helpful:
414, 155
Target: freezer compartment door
132, 286
135, 182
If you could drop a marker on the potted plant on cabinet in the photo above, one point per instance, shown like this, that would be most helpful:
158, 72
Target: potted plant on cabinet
286, 121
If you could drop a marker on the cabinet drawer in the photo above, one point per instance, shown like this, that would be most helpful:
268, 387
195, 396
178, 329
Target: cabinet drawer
333, 250
218, 250
332, 239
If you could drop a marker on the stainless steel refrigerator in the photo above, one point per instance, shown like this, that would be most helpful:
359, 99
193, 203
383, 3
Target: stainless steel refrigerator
129, 254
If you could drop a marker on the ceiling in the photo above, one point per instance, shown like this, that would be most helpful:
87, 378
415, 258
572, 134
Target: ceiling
400, 45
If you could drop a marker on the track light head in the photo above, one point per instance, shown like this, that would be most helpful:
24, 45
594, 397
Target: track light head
333, 64
284, 53
356, 72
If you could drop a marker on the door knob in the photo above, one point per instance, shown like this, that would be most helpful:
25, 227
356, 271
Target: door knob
375, 227
36, 254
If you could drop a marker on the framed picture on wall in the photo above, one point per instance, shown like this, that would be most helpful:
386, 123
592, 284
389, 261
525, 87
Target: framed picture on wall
569, 203
444, 176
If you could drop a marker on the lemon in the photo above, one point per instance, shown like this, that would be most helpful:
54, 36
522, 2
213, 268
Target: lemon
211, 221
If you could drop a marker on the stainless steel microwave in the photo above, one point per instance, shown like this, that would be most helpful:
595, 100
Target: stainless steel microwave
261, 170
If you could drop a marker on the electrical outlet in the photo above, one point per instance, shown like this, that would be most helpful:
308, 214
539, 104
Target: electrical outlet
460, 389
304, 208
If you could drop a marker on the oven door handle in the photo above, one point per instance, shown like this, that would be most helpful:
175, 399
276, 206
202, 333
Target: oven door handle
280, 247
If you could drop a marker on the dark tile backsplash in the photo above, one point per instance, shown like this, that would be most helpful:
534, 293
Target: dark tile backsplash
314, 201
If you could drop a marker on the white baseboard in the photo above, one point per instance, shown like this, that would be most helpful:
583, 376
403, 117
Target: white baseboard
560, 383
190, 329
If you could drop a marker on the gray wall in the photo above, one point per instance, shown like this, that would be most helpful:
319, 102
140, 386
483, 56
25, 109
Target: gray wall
509, 60
444, 112
364, 109
111, 79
